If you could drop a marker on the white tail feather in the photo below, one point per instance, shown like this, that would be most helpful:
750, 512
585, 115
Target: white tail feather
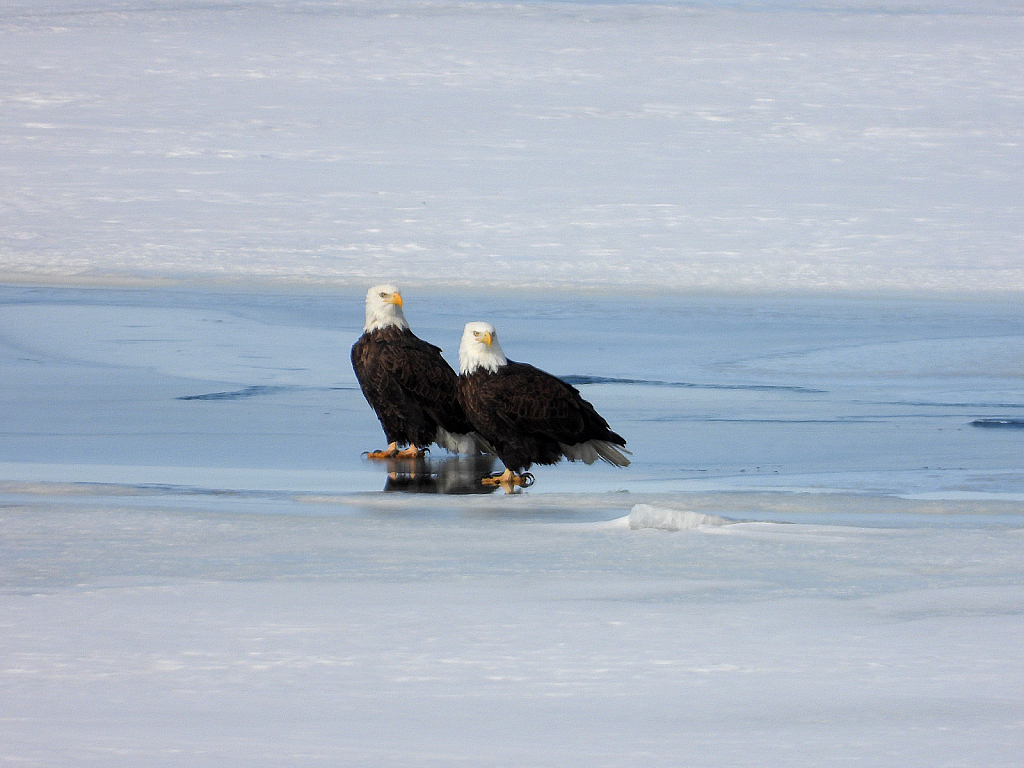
470, 444
592, 450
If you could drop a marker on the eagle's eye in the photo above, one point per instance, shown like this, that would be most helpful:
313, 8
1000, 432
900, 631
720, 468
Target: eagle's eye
383, 295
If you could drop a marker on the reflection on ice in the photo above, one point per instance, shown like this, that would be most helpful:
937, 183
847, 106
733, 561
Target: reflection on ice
455, 475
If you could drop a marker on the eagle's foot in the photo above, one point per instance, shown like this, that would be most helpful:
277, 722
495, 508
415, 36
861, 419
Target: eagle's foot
388, 453
501, 478
392, 452
412, 452
385, 454
509, 480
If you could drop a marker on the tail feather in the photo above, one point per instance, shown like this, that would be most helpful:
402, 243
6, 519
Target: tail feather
592, 450
611, 453
470, 444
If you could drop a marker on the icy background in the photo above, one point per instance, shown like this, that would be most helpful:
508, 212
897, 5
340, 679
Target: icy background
778, 245
761, 146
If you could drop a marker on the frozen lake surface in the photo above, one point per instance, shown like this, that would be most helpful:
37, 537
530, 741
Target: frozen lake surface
778, 245
815, 553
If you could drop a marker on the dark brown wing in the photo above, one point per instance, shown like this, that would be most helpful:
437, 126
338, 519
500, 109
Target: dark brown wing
423, 372
536, 402
409, 385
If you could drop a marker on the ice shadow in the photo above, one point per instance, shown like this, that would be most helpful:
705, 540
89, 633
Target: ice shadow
258, 390
997, 423
239, 394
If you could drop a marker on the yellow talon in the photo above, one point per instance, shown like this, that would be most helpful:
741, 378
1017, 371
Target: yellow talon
388, 453
509, 480
392, 452
412, 452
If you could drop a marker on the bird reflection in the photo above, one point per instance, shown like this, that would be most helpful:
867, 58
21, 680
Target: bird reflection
453, 475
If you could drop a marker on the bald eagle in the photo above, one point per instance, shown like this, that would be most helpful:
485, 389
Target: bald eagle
526, 415
407, 382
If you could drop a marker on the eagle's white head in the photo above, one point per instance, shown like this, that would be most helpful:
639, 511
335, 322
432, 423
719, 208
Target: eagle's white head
384, 308
480, 349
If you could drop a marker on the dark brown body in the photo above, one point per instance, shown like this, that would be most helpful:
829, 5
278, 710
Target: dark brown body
529, 416
409, 386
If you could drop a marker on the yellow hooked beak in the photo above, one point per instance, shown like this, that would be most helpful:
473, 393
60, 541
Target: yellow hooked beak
396, 299
486, 338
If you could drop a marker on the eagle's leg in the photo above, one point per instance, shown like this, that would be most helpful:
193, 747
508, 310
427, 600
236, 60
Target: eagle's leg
388, 453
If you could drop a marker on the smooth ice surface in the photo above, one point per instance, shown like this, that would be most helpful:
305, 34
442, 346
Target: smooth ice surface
255, 390
777, 244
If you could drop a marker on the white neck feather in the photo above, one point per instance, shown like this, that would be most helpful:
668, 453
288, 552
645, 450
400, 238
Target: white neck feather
381, 314
386, 320
475, 354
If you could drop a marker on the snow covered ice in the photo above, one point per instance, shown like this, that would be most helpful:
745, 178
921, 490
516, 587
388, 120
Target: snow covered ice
757, 146
778, 246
